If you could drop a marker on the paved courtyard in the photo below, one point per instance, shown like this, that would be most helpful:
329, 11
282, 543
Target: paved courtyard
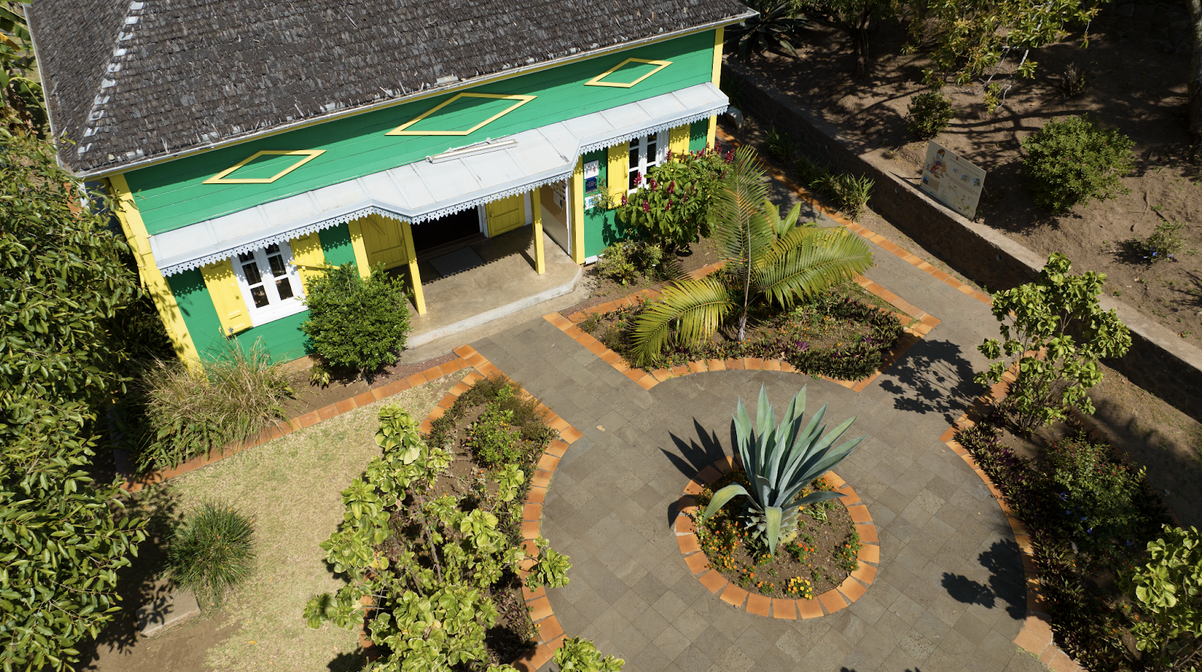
950, 592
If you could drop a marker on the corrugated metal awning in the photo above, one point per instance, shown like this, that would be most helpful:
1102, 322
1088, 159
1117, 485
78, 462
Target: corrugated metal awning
426, 190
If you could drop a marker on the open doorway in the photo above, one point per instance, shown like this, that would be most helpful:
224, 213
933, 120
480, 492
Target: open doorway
554, 200
446, 233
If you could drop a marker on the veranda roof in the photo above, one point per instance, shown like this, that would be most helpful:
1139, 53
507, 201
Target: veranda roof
441, 185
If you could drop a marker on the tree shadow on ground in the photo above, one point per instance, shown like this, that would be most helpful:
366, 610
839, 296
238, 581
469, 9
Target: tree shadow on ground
693, 455
933, 377
347, 662
1006, 581
138, 584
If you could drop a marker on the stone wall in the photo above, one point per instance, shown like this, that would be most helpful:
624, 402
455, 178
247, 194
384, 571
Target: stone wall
1158, 361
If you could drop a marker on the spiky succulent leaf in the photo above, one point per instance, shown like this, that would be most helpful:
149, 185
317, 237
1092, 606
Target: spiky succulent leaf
723, 496
772, 516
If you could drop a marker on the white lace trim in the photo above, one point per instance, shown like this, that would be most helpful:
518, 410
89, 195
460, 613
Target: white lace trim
306, 229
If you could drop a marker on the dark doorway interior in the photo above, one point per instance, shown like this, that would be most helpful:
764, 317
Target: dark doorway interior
441, 232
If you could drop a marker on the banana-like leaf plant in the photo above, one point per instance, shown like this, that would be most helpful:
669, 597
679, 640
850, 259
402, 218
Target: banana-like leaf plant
779, 461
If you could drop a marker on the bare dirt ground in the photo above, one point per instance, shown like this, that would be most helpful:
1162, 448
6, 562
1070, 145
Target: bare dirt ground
1137, 61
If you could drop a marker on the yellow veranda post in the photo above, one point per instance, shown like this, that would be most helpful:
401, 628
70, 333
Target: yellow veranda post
540, 264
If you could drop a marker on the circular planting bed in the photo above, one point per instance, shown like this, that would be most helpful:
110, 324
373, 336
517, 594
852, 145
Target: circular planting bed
826, 566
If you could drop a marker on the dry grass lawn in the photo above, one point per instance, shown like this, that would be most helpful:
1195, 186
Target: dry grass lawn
292, 489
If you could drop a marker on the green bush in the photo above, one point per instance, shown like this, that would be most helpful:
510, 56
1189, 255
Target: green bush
780, 145
581, 655
211, 552
1099, 496
492, 438
1165, 243
849, 194
1069, 161
626, 260
671, 208
356, 323
179, 413
928, 114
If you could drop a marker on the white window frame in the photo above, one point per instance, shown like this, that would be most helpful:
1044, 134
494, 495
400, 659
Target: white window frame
644, 162
276, 307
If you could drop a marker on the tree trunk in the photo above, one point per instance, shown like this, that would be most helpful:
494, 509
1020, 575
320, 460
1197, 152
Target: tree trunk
1195, 81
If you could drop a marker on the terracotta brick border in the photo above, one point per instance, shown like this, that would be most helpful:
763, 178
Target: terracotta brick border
286, 427
920, 324
550, 632
1036, 635
786, 609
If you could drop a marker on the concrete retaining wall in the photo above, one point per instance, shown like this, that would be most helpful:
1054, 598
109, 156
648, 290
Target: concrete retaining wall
1159, 361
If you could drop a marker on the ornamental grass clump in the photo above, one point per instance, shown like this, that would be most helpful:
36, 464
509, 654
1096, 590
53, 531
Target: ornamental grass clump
781, 460
211, 552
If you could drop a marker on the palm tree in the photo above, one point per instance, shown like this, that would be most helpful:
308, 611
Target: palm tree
771, 260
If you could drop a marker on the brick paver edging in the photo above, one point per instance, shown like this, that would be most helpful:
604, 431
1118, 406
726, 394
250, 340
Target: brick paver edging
921, 324
293, 424
1036, 634
550, 632
782, 608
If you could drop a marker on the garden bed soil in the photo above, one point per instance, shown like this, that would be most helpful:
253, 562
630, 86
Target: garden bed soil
1137, 61
820, 567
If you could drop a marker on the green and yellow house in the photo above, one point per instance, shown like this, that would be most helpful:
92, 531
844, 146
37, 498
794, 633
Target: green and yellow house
246, 144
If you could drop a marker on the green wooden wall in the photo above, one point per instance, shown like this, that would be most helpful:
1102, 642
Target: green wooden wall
171, 195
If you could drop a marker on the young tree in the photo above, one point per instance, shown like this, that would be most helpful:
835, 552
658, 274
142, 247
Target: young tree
62, 536
770, 259
1056, 335
1169, 592
975, 37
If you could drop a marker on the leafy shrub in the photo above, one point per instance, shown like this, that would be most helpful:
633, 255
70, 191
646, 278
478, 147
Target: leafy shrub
671, 208
1069, 161
780, 145
356, 323
492, 440
850, 194
180, 413
625, 260
1167, 590
502, 394
928, 114
581, 655
1166, 242
1099, 495
1073, 79
211, 552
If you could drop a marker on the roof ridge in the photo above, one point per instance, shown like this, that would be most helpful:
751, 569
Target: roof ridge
108, 77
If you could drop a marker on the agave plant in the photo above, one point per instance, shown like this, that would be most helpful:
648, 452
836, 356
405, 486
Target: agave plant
779, 461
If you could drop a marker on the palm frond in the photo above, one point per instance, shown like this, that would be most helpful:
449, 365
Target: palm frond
737, 210
819, 260
698, 306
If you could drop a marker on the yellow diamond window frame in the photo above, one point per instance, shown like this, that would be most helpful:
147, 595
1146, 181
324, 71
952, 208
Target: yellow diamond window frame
521, 100
596, 81
221, 178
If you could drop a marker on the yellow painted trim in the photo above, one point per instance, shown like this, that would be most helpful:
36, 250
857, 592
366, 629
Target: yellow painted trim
152, 278
540, 264
522, 100
308, 257
309, 154
711, 134
361, 261
618, 163
719, 38
678, 140
226, 297
596, 81
468, 84
419, 299
578, 212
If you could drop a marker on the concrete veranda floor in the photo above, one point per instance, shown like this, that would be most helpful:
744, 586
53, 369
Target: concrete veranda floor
950, 593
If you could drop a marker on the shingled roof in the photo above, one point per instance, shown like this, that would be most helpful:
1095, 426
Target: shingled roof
127, 82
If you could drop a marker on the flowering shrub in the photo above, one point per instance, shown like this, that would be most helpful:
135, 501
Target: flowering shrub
672, 207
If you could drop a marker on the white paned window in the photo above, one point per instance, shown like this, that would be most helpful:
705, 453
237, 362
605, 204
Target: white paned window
270, 284
647, 151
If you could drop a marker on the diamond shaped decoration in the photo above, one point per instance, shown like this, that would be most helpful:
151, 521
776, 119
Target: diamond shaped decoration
637, 67
449, 117
224, 176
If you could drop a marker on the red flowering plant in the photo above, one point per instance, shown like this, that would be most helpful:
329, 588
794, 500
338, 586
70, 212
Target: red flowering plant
672, 206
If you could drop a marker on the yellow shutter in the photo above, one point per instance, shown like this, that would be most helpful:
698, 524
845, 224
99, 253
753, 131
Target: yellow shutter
227, 298
307, 256
383, 241
678, 140
506, 214
618, 172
